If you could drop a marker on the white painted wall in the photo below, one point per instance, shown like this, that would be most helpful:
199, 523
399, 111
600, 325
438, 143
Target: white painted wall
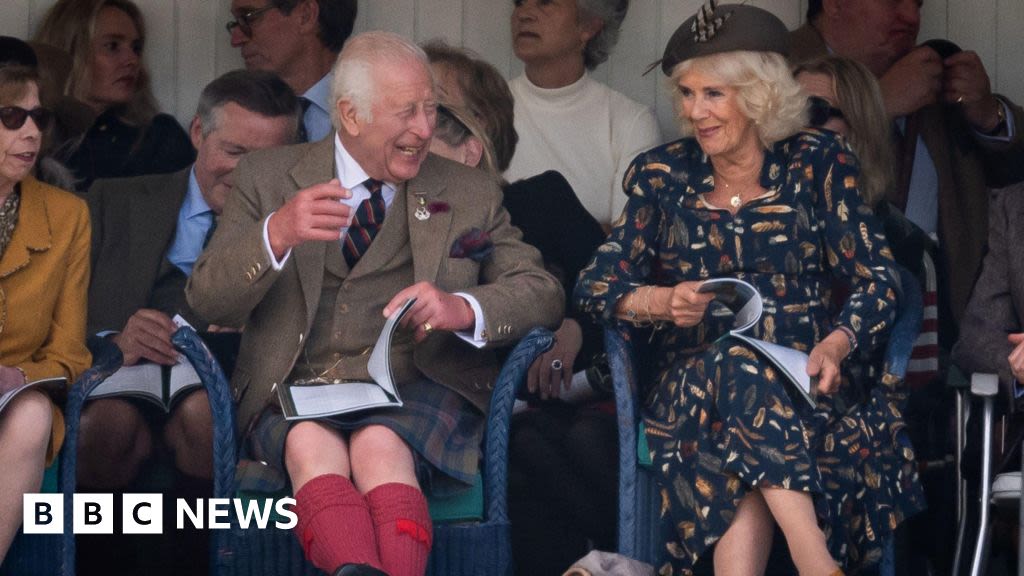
188, 45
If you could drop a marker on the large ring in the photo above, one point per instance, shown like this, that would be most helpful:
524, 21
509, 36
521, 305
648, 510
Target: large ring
556, 364
427, 327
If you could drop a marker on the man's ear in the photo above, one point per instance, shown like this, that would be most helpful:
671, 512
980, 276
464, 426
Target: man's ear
590, 27
309, 16
473, 151
348, 118
195, 131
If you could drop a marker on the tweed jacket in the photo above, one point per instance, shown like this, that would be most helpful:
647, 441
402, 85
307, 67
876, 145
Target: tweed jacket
234, 282
966, 165
133, 225
997, 304
44, 273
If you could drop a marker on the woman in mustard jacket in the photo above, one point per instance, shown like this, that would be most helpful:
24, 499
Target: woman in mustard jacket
44, 275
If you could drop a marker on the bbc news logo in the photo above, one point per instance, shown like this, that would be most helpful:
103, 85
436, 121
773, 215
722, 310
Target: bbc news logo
144, 513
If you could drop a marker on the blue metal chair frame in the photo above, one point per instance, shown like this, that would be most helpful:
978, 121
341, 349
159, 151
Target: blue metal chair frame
638, 491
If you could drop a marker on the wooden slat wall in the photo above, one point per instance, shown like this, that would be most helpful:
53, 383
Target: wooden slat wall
188, 46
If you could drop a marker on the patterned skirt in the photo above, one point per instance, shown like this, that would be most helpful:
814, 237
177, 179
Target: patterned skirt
720, 424
442, 428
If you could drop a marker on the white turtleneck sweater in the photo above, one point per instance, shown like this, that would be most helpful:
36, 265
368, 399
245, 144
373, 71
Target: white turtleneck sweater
588, 132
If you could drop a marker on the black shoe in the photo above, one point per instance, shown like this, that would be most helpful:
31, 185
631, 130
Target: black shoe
358, 570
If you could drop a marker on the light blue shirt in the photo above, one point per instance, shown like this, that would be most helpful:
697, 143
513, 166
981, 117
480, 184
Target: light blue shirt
194, 220
317, 118
923, 195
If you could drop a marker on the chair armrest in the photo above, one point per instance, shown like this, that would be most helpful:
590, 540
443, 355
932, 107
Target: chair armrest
222, 408
984, 385
510, 379
906, 326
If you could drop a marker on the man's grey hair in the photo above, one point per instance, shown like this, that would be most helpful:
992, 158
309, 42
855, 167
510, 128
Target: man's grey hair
353, 71
257, 91
611, 13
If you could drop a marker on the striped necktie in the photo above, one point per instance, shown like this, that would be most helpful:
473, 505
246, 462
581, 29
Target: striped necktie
303, 132
368, 219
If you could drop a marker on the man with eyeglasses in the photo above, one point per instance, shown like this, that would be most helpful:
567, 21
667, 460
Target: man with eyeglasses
299, 40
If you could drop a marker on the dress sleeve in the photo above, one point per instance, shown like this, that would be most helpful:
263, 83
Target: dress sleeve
855, 246
624, 261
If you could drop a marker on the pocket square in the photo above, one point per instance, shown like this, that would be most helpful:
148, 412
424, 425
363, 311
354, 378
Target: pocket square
474, 244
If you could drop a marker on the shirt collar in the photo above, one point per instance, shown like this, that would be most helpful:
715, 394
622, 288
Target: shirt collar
319, 94
194, 204
349, 172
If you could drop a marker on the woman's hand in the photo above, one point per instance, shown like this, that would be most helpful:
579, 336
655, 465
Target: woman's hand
825, 359
542, 378
10, 379
686, 306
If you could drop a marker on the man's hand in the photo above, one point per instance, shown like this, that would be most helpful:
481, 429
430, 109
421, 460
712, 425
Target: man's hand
147, 335
314, 213
966, 83
686, 306
1016, 357
545, 380
434, 309
10, 379
825, 359
912, 82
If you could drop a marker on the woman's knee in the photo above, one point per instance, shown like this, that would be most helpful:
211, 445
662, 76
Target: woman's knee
29, 417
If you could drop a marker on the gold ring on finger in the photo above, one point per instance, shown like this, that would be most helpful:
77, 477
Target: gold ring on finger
427, 327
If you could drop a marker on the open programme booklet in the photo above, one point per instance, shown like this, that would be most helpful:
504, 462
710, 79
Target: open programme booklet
746, 303
158, 384
319, 398
51, 386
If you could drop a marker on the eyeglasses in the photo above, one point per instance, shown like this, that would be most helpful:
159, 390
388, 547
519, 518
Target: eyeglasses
822, 111
245, 20
13, 117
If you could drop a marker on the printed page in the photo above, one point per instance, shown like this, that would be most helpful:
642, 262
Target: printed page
55, 385
183, 375
144, 380
741, 297
321, 399
792, 363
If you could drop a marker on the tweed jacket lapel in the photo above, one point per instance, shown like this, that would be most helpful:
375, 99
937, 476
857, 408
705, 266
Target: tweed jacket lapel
316, 166
32, 234
428, 237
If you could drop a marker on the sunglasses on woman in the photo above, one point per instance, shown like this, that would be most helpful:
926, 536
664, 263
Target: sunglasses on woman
822, 111
14, 117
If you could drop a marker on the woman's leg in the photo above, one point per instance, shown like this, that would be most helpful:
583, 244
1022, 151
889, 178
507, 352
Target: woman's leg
189, 434
794, 512
384, 470
744, 548
334, 525
24, 436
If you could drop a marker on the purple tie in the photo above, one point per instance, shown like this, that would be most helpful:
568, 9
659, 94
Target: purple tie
366, 223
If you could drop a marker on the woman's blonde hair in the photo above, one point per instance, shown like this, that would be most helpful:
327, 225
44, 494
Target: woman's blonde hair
70, 25
766, 91
860, 99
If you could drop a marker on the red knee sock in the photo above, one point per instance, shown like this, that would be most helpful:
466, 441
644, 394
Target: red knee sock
334, 525
402, 524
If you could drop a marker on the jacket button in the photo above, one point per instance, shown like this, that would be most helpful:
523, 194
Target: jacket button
343, 308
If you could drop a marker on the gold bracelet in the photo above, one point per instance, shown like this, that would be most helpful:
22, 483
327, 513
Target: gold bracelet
631, 314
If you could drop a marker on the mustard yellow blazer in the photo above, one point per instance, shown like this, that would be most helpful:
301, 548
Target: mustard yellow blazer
44, 278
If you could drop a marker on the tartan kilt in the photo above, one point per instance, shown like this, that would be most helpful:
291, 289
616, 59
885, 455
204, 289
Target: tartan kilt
443, 429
